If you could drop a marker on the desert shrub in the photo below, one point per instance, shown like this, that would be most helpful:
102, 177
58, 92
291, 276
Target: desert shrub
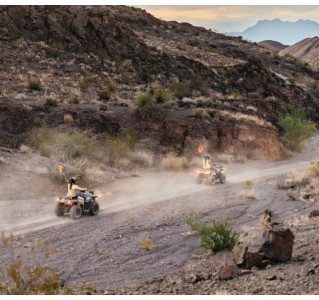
66, 145
199, 113
172, 162
2, 160
162, 95
313, 169
144, 99
35, 84
215, 237
85, 82
68, 118
103, 107
146, 244
142, 159
297, 128
29, 276
50, 102
74, 99
104, 94
248, 184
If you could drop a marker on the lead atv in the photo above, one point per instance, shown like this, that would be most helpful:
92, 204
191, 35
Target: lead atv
84, 202
211, 176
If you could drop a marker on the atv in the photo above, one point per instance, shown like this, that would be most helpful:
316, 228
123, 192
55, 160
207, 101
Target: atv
211, 176
84, 202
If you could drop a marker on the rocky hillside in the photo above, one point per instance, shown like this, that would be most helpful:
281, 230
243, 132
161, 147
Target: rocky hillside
94, 62
306, 50
273, 45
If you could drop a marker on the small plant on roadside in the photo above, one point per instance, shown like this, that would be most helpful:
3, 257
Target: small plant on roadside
103, 107
215, 237
248, 184
146, 244
85, 83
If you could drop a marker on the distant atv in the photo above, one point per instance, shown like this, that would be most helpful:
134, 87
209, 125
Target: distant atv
211, 176
76, 207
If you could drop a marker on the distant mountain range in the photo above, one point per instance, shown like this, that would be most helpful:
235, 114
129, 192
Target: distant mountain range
285, 32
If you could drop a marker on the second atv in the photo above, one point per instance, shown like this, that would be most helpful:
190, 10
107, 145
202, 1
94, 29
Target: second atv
211, 176
76, 206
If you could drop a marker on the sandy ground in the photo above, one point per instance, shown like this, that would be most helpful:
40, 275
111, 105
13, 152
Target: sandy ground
105, 250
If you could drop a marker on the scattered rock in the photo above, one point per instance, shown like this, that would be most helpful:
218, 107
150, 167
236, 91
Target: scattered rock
228, 272
270, 241
270, 278
314, 213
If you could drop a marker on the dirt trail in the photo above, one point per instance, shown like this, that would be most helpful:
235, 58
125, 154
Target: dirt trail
35, 213
105, 249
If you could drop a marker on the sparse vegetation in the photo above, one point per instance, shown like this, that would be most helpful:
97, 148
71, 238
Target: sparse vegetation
35, 84
68, 118
104, 94
248, 184
85, 83
141, 159
172, 162
50, 102
74, 99
297, 128
147, 244
29, 276
215, 237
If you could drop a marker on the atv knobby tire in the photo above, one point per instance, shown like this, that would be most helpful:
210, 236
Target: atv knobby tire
222, 179
59, 210
76, 212
94, 209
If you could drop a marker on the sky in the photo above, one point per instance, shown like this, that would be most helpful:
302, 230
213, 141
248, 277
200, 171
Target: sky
225, 18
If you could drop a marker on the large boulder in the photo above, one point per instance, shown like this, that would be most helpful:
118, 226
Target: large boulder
270, 240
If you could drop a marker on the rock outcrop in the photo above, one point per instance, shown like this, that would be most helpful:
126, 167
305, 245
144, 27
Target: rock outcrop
268, 241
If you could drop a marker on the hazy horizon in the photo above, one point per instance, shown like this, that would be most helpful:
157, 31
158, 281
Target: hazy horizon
226, 18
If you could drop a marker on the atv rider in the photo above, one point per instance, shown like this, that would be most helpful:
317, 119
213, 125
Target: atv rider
75, 191
206, 162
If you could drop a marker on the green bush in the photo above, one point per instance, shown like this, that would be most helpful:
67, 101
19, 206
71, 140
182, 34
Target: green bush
144, 99
248, 184
297, 128
215, 237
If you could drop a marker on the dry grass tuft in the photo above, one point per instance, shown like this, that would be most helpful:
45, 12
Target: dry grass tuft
172, 162
25, 149
225, 158
249, 194
147, 244
141, 159
68, 118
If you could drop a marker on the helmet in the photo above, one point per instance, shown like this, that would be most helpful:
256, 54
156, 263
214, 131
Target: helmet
206, 156
72, 180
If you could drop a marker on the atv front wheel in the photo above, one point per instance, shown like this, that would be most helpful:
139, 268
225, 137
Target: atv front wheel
222, 179
94, 209
76, 212
59, 210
